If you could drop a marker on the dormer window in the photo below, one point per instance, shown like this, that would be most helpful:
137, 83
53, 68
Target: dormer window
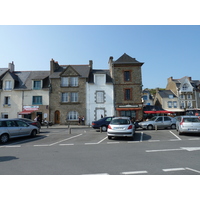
185, 86
69, 81
171, 96
37, 85
8, 85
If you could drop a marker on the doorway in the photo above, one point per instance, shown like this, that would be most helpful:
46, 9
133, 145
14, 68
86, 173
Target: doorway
57, 117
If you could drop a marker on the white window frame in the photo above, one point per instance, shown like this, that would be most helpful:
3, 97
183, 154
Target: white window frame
65, 81
73, 81
72, 115
65, 97
8, 85
74, 97
100, 97
169, 104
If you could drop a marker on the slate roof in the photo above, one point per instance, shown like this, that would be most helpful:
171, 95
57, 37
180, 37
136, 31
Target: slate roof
166, 93
126, 59
82, 70
99, 71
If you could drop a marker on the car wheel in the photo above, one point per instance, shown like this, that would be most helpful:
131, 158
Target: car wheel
150, 127
4, 138
104, 128
33, 133
173, 126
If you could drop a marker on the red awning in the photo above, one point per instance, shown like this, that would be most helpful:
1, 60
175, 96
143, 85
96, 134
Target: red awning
26, 112
157, 111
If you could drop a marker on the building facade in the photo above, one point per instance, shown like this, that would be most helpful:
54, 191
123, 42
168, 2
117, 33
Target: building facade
99, 95
127, 81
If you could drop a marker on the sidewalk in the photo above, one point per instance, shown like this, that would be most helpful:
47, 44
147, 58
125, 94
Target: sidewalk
57, 126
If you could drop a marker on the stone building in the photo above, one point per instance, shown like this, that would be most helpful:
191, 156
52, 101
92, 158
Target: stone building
68, 92
127, 81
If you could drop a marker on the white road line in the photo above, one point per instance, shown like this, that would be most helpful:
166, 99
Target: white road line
10, 146
153, 140
141, 137
133, 141
194, 170
66, 144
96, 174
174, 140
66, 139
41, 145
158, 150
194, 139
112, 142
102, 140
173, 169
175, 135
134, 172
90, 143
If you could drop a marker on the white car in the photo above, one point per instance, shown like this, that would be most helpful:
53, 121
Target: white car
159, 122
120, 127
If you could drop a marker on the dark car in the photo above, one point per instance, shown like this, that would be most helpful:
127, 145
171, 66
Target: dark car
31, 122
102, 123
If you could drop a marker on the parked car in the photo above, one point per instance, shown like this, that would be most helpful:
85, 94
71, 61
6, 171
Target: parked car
102, 123
31, 122
120, 127
159, 122
188, 124
12, 128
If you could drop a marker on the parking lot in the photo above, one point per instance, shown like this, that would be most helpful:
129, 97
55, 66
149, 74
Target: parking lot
88, 136
83, 150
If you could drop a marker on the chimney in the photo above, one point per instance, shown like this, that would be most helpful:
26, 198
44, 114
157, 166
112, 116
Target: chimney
110, 64
11, 66
53, 66
190, 79
169, 79
90, 64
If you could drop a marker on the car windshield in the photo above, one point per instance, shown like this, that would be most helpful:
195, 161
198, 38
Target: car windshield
120, 121
191, 120
153, 118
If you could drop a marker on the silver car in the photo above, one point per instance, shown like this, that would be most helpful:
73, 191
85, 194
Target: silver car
120, 127
188, 124
159, 122
12, 128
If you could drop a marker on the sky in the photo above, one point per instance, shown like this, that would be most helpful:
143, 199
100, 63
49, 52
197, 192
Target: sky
169, 48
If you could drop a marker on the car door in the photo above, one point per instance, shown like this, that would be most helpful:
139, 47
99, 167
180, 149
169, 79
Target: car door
167, 122
108, 120
23, 128
159, 122
12, 128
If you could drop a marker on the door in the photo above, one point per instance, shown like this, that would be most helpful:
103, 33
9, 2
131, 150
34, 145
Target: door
167, 122
23, 128
13, 129
159, 122
57, 117
99, 114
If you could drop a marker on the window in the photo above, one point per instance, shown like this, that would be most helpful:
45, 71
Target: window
7, 101
189, 96
37, 85
185, 86
73, 81
167, 119
100, 97
127, 94
8, 85
171, 96
74, 97
175, 104
127, 76
169, 104
72, 115
37, 100
69, 81
65, 97
65, 81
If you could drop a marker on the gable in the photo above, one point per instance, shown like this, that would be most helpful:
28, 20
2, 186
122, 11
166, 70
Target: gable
69, 71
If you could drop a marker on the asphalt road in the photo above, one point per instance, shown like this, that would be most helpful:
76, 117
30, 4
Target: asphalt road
88, 152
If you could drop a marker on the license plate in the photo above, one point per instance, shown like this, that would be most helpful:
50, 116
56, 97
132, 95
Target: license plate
192, 129
119, 128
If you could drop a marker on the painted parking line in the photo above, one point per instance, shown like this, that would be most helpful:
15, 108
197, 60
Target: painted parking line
91, 143
59, 141
10, 146
134, 172
175, 135
173, 169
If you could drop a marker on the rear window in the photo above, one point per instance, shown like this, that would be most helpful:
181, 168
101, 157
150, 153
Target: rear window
120, 121
191, 120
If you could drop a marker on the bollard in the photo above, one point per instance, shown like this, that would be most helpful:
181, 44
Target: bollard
69, 130
156, 127
100, 129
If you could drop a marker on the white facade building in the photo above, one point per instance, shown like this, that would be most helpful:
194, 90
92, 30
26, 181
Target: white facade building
99, 96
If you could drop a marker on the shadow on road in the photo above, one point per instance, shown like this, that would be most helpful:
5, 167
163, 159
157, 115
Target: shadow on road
7, 158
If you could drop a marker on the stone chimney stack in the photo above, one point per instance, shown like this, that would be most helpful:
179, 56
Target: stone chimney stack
110, 63
11, 66
53, 66
91, 64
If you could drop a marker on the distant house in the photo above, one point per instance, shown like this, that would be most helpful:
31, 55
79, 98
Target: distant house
99, 95
127, 81
24, 93
147, 98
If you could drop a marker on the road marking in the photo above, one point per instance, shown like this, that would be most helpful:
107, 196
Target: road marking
174, 140
173, 169
66, 144
10, 146
112, 142
134, 172
153, 140
191, 148
175, 135
141, 137
102, 140
194, 170
133, 141
194, 139
66, 139
96, 174
158, 150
